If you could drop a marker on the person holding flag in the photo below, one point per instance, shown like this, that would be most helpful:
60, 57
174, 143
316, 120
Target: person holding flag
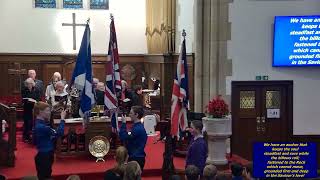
82, 77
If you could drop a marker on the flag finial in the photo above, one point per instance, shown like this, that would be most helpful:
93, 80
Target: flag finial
88, 20
184, 34
111, 16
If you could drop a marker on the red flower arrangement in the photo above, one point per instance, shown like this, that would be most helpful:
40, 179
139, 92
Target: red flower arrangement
217, 108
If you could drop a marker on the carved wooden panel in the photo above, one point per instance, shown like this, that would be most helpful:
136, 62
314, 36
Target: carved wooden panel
99, 71
4, 78
48, 70
162, 67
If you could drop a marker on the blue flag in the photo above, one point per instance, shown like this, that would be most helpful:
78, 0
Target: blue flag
82, 77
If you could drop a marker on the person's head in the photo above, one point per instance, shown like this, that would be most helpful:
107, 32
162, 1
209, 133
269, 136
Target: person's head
236, 169
42, 110
132, 171
196, 127
137, 89
73, 177
95, 82
121, 155
100, 86
32, 74
59, 87
192, 172
210, 172
136, 113
124, 85
248, 170
56, 76
29, 83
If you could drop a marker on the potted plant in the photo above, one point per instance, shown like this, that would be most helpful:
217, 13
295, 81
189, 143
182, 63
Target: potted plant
217, 124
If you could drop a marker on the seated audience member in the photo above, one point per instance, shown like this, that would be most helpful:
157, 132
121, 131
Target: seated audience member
73, 177
116, 173
210, 172
136, 96
132, 171
236, 170
192, 173
198, 149
44, 137
100, 93
136, 139
29, 94
248, 172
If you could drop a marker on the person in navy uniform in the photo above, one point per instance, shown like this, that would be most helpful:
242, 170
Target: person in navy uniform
135, 139
44, 137
198, 148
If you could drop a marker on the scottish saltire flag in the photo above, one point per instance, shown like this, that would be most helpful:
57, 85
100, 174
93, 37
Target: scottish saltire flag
113, 82
180, 94
82, 77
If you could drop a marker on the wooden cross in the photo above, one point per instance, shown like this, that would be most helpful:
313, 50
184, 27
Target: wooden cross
17, 72
74, 25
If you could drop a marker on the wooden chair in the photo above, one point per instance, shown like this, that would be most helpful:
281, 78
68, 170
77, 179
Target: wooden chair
7, 147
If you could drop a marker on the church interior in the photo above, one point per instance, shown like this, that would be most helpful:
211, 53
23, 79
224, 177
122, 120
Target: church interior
247, 70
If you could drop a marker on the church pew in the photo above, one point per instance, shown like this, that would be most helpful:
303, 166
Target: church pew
8, 146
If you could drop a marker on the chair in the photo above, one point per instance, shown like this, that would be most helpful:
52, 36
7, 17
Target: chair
149, 122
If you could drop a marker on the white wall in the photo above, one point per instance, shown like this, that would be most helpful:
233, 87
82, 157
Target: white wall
185, 20
25, 29
251, 51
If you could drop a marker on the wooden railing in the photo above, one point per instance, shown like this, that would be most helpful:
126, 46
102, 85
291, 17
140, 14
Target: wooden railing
8, 146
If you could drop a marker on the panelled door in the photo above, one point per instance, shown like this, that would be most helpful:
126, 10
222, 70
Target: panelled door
261, 112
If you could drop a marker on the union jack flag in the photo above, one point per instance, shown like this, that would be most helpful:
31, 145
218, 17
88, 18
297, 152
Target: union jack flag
180, 94
113, 82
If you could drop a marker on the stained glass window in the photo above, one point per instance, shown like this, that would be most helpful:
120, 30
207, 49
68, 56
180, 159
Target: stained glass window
99, 4
73, 4
45, 3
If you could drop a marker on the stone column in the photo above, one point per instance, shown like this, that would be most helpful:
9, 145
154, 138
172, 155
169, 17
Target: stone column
212, 32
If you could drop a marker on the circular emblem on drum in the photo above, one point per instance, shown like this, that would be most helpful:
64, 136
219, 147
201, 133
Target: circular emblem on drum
99, 146
128, 72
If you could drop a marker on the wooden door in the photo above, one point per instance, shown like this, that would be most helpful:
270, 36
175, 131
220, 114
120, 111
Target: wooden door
261, 112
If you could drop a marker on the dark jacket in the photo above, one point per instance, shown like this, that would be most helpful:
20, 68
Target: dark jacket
136, 99
135, 139
45, 135
99, 97
34, 94
197, 153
